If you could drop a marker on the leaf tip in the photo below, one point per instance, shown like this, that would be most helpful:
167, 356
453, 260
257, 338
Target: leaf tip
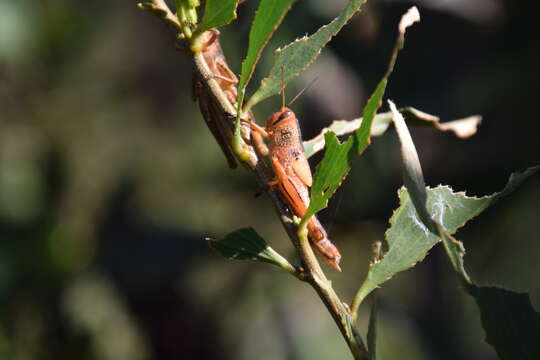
409, 18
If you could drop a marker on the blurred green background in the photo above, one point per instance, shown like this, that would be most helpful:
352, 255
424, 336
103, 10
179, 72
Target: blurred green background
109, 181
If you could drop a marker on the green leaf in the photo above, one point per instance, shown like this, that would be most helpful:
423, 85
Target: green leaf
267, 19
337, 159
363, 134
246, 244
462, 128
409, 240
512, 325
454, 248
217, 13
298, 55
334, 166
455, 252
330, 172
426, 217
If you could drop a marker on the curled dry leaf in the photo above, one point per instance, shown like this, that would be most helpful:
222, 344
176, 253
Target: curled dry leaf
411, 16
462, 128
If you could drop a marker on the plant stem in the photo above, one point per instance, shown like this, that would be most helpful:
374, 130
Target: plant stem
313, 273
358, 298
340, 313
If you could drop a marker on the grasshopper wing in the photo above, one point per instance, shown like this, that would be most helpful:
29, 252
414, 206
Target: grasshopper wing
301, 168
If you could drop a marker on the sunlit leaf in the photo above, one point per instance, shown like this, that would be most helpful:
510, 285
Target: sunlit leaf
454, 248
267, 19
298, 55
511, 324
462, 128
426, 216
409, 240
330, 172
363, 134
217, 13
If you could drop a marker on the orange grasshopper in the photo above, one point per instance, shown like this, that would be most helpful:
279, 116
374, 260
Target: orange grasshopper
215, 59
214, 117
293, 175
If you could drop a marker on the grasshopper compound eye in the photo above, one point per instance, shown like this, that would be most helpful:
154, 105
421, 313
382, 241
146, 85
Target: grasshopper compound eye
283, 116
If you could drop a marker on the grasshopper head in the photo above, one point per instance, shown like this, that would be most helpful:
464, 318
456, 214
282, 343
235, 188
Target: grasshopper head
283, 116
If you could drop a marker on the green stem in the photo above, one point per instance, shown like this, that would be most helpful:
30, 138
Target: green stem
286, 265
355, 305
238, 144
340, 313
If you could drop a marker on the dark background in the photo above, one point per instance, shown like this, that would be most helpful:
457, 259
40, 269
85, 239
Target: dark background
109, 180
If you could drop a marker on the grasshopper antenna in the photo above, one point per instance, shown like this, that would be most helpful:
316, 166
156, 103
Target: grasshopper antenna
302, 91
282, 89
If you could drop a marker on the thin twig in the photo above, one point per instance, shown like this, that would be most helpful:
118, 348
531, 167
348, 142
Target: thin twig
160, 8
